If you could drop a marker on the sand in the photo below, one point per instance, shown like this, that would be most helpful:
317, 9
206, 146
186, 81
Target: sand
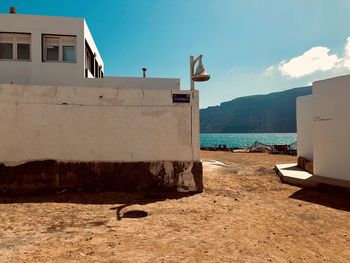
244, 215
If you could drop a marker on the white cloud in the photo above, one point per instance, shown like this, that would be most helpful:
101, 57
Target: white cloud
269, 72
313, 60
346, 59
318, 60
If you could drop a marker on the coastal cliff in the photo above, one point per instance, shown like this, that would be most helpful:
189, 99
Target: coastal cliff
274, 112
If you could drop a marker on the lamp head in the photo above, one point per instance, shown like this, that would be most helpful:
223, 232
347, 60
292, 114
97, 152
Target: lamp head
200, 75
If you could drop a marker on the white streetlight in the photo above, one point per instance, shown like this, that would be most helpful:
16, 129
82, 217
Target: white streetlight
200, 75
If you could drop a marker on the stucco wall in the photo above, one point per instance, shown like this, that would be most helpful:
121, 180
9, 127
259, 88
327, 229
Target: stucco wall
305, 127
331, 144
90, 124
132, 83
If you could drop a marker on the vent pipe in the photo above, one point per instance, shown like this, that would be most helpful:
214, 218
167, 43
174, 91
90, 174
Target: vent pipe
12, 10
144, 72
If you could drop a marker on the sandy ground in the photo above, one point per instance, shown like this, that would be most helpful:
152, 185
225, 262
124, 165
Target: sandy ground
244, 215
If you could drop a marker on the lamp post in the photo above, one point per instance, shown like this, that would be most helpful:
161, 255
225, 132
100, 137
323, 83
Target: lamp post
200, 75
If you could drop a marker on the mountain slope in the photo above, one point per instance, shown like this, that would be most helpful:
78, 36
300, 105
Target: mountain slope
275, 112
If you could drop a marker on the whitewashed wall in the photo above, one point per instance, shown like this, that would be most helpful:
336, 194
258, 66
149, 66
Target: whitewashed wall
90, 124
305, 127
331, 137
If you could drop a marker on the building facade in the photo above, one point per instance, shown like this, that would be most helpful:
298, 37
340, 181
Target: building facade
65, 124
47, 50
322, 126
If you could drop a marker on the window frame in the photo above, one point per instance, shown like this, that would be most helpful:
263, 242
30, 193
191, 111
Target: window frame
92, 66
15, 41
89, 59
61, 44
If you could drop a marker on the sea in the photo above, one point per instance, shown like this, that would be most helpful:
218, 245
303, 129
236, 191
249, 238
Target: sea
244, 140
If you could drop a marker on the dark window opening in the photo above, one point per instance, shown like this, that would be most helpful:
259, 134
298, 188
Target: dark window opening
6, 51
52, 53
23, 51
96, 69
89, 59
91, 64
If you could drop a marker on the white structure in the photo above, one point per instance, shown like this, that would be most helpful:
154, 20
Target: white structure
304, 127
93, 124
41, 50
116, 132
323, 131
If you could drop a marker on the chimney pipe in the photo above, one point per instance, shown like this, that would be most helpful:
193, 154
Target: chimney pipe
12, 10
144, 72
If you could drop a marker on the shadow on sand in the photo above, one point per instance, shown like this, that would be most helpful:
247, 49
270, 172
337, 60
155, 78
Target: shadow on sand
129, 214
333, 197
121, 199
102, 198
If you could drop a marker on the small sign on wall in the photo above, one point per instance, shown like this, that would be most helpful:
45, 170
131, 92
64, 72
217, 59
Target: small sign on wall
181, 98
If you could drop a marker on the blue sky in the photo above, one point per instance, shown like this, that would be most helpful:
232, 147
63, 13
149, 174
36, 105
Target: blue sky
249, 46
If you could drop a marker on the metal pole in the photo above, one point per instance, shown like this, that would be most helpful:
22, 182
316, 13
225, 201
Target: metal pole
191, 72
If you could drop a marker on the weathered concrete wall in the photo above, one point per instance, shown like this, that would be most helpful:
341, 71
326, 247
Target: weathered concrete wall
331, 144
305, 127
91, 126
130, 83
144, 177
305, 164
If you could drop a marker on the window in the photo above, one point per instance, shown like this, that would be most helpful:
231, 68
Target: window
92, 68
52, 53
15, 46
89, 59
23, 51
6, 51
96, 69
69, 53
59, 48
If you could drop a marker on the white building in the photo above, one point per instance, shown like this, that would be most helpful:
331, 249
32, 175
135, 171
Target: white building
42, 50
323, 132
63, 121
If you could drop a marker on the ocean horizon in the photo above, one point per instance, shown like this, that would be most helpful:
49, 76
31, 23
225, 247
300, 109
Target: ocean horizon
244, 140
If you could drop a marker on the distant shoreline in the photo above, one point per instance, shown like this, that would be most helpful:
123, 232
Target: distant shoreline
247, 132
245, 140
